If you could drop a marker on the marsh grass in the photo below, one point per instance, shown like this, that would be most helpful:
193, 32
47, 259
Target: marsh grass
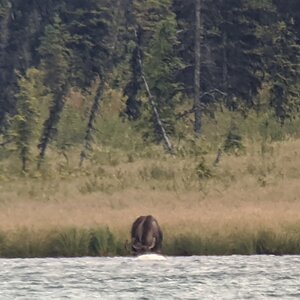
261, 242
63, 242
24, 242
104, 243
100, 241
248, 204
70, 242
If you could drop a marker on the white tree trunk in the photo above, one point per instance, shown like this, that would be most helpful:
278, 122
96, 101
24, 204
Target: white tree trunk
153, 105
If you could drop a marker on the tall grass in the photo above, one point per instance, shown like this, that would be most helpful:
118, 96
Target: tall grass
64, 242
247, 241
100, 241
248, 203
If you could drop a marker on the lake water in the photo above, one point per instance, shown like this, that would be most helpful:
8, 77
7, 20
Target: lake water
195, 277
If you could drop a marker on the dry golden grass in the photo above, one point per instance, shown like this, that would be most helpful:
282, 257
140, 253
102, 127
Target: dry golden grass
187, 211
258, 190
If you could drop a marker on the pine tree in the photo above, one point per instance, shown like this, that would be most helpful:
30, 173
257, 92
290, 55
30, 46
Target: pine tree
5, 15
284, 72
93, 26
55, 63
279, 52
161, 66
89, 25
27, 123
154, 34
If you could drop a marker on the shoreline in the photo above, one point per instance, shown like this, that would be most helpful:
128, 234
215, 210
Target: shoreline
98, 224
100, 241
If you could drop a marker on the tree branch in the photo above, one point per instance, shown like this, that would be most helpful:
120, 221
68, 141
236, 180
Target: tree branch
152, 102
210, 93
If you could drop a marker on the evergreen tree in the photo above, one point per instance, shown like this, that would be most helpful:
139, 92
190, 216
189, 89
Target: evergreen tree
5, 15
154, 29
93, 45
55, 63
284, 72
133, 87
244, 45
281, 54
230, 58
134, 82
89, 25
161, 69
27, 121
21, 25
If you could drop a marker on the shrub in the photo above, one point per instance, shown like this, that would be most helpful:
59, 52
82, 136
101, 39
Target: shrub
203, 171
233, 143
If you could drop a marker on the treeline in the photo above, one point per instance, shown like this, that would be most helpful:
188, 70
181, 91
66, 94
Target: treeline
248, 52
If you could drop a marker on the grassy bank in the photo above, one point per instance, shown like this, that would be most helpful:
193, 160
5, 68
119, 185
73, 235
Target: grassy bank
249, 203
74, 242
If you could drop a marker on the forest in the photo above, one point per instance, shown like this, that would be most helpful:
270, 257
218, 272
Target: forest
60, 59
129, 96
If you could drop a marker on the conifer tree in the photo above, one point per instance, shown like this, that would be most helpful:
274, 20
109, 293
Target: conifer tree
281, 53
55, 63
27, 121
284, 72
93, 45
154, 29
162, 66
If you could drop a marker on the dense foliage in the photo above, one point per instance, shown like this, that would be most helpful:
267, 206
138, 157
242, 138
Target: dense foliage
51, 50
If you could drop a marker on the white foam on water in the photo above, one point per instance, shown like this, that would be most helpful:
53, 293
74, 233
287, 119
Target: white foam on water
151, 256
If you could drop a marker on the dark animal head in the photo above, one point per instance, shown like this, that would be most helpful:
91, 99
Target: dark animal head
146, 236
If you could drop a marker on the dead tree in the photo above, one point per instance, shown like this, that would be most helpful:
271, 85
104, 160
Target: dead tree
152, 101
88, 138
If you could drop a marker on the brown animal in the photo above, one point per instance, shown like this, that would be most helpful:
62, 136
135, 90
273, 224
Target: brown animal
146, 236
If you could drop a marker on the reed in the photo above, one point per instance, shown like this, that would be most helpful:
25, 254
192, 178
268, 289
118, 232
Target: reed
263, 241
100, 241
63, 242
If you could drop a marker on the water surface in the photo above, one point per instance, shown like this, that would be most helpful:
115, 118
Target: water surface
196, 277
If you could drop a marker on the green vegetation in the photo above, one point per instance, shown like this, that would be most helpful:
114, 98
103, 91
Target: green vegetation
74, 242
249, 61
69, 242
243, 243
103, 118
246, 204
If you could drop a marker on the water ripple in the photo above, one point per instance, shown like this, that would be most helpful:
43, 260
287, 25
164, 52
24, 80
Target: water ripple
207, 277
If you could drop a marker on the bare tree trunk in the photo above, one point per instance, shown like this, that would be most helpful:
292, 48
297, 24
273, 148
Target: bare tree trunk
218, 157
87, 143
197, 86
153, 105
49, 127
157, 118
225, 65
